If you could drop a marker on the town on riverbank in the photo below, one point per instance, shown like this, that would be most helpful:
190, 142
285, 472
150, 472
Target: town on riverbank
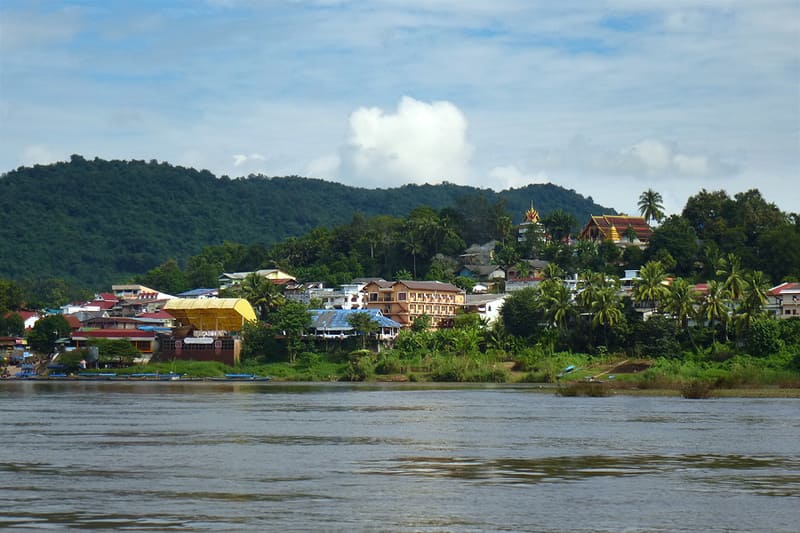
625, 303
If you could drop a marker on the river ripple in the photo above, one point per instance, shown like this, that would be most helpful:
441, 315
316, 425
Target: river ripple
274, 457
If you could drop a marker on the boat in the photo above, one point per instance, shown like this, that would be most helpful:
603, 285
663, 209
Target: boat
171, 376
97, 375
241, 377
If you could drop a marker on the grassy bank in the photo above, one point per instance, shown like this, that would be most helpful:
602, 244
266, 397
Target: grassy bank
740, 375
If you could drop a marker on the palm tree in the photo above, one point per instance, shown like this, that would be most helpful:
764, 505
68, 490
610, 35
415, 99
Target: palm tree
651, 205
262, 294
754, 298
552, 271
681, 302
607, 309
731, 270
556, 302
589, 283
559, 224
716, 304
650, 287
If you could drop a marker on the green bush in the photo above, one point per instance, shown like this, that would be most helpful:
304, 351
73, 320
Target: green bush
361, 366
697, 389
764, 337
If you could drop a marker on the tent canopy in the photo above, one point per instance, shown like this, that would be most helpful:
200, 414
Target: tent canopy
228, 314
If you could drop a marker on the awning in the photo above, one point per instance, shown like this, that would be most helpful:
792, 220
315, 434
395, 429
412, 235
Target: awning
217, 314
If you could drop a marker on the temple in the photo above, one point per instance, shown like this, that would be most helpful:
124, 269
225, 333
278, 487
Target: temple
622, 230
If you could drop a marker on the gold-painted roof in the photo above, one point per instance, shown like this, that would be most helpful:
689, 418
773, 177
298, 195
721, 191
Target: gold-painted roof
532, 215
226, 314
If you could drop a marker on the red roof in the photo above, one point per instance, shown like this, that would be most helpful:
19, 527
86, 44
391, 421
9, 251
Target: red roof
105, 305
702, 288
784, 288
73, 321
24, 314
604, 223
113, 334
107, 296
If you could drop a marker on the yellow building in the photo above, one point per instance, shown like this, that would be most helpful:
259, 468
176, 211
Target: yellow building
404, 301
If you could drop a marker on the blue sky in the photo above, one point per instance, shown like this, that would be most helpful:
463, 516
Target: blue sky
606, 97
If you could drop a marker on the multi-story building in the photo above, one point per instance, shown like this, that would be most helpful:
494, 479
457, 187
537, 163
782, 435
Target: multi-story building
404, 301
783, 301
278, 277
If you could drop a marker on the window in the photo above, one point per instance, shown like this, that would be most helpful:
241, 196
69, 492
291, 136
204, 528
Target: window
373, 297
401, 296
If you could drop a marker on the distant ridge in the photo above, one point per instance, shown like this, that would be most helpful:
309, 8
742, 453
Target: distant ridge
97, 221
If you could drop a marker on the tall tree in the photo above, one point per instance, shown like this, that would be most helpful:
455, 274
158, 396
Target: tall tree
716, 305
263, 295
559, 225
651, 205
292, 319
681, 301
730, 268
607, 309
556, 302
47, 331
650, 288
754, 298
364, 324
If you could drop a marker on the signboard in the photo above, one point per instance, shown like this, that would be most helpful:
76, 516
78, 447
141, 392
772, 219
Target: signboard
198, 340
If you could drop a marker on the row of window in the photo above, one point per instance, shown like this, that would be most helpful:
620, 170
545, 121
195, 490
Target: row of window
415, 297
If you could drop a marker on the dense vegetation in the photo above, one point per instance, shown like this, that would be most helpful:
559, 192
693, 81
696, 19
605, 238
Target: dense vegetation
96, 222
739, 246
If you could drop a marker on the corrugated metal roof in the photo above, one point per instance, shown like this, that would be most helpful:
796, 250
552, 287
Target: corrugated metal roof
336, 319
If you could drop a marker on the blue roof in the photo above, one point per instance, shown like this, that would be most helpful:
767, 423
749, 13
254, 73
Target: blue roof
336, 319
196, 292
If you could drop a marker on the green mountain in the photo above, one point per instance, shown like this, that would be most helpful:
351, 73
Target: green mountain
97, 222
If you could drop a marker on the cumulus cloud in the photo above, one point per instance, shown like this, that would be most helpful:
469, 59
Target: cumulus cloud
325, 167
241, 159
420, 142
648, 158
38, 155
659, 159
509, 176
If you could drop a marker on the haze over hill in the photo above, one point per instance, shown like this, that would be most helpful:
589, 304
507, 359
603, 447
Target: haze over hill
97, 221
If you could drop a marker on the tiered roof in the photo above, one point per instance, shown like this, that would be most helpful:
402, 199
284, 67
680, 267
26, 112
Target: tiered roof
613, 227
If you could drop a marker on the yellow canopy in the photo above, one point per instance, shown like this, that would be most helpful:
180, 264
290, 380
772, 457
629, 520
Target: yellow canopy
227, 314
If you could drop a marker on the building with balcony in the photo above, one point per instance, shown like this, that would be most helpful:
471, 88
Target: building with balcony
783, 301
404, 301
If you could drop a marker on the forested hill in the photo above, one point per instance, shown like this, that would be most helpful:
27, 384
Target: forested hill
97, 221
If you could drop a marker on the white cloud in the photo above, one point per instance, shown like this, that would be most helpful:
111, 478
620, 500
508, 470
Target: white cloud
39, 155
241, 159
654, 155
325, 167
420, 142
509, 176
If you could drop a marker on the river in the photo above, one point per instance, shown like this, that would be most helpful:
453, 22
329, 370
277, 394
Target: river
279, 457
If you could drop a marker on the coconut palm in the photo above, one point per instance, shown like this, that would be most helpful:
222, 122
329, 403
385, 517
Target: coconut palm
680, 302
262, 294
606, 309
556, 302
588, 284
651, 205
730, 268
716, 305
754, 298
650, 288
552, 271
